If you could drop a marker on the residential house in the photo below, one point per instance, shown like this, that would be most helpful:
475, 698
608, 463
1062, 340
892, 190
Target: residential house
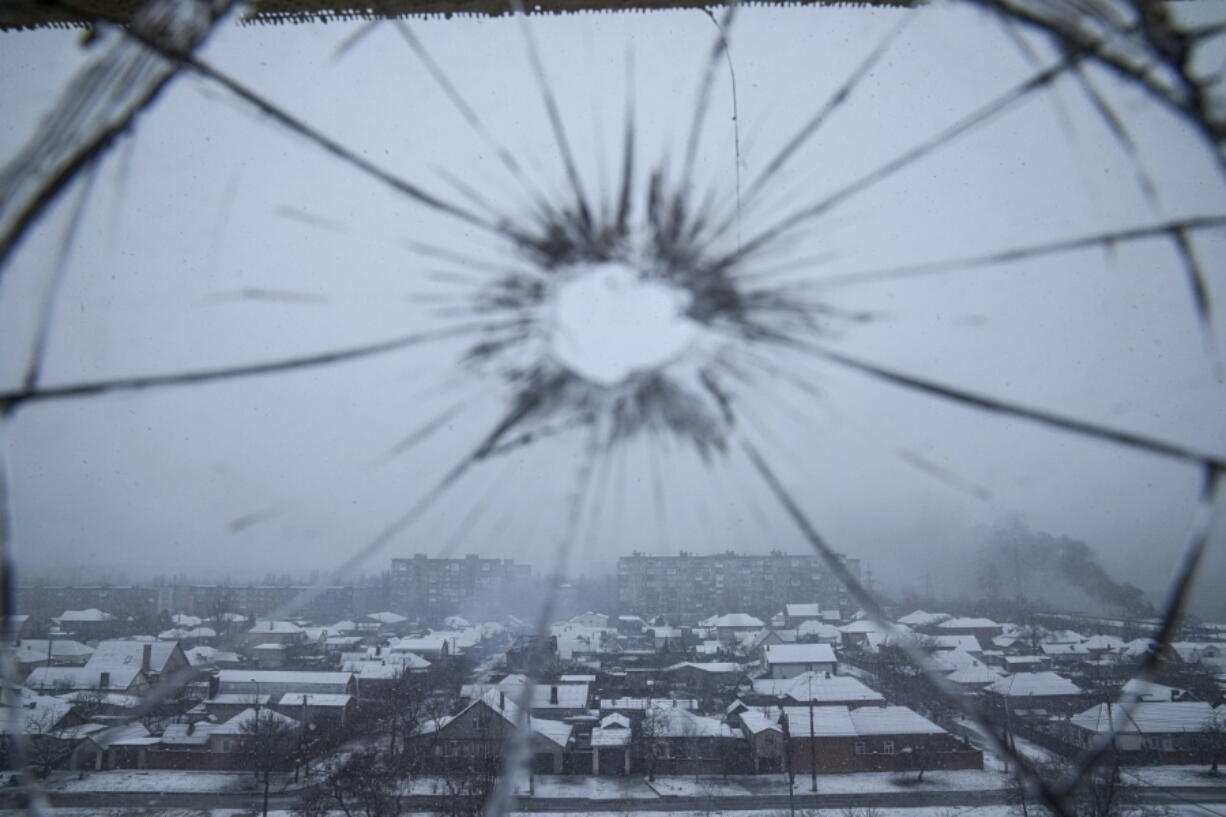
277, 682
477, 734
796, 614
90, 624
286, 633
611, 742
764, 733
983, 629
1035, 694
872, 739
790, 660
706, 677
30, 653
730, 626
682, 742
824, 689
1162, 731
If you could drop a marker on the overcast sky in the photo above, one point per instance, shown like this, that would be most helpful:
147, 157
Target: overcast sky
212, 238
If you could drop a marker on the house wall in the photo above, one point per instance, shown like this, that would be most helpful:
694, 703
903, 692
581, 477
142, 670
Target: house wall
792, 670
838, 754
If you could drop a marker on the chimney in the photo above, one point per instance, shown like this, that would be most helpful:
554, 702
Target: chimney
104, 679
214, 685
146, 658
553, 694
502, 699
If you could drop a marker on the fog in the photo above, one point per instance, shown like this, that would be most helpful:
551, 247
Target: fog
211, 237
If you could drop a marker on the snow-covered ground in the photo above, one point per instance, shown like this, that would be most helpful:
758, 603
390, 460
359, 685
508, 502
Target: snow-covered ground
151, 780
1177, 776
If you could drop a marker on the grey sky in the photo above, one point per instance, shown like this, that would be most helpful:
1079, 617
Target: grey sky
208, 201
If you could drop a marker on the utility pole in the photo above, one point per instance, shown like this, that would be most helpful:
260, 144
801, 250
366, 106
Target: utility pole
787, 758
812, 741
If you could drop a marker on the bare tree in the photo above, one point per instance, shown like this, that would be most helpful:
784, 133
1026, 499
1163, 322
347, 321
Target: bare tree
267, 744
367, 784
45, 751
1213, 738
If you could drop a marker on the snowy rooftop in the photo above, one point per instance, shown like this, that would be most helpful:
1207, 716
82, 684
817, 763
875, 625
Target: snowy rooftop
734, 620
822, 688
314, 699
820, 629
244, 721
920, 618
799, 654
248, 676
674, 721
892, 720
1149, 691
803, 610
91, 614
183, 734
81, 678
1021, 684
638, 704
388, 617
284, 627
1148, 718
31, 650
756, 722
711, 666
113, 655
967, 623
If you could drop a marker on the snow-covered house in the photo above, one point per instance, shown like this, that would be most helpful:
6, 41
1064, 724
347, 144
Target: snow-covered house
872, 739
819, 687
1167, 731
790, 660
728, 627
682, 742
477, 733
611, 745
1035, 694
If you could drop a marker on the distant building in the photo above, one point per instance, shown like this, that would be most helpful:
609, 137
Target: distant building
431, 589
688, 587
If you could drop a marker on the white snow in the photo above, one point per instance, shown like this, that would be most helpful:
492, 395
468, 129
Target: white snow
610, 323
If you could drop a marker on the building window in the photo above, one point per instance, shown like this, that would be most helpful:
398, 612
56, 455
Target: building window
860, 748
889, 747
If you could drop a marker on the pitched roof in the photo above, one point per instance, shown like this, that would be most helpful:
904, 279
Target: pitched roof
734, 620
1147, 718
827, 721
799, 654
81, 677
892, 720
968, 623
238, 724
920, 618
119, 654
676, 722
90, 614
244, 676
33, 650
821, 687
1021, 684
803, 610
331, 699
284, 627
497, 700
720, 667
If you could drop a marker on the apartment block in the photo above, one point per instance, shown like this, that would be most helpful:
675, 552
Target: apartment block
688, 588
434, 588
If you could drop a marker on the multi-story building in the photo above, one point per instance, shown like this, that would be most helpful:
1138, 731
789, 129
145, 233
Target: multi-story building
688, 588
433, 588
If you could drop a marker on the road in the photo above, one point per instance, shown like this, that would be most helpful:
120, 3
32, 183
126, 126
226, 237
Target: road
983, 797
